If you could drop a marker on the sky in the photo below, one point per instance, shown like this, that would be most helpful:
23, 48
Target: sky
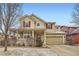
61, 13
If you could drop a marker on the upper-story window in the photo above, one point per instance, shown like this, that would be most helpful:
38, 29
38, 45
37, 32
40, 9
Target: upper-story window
49, 26
26, 24
38, 24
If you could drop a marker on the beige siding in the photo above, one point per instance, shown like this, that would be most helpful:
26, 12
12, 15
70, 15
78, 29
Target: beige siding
42, 24
53, 28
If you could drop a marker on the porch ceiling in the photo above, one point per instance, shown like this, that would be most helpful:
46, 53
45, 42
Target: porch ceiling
39, 31
24, 30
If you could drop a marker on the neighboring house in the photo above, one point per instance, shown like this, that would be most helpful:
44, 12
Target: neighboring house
75, 36
38, 29
68, 30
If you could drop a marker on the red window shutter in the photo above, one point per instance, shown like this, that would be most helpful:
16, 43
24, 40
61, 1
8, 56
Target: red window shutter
46, 26
51, 26
29, 23
23, 23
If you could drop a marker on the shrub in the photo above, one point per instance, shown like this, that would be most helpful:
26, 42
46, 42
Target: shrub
39, 42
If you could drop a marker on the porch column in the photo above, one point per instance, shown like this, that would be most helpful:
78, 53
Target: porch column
34, 41
16, 34
64, 39
23, 36
44, 44
32, 33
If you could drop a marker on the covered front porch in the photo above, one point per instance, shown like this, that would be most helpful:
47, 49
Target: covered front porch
34, 37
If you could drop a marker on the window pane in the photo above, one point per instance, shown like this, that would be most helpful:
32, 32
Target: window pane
38, 24
49, 26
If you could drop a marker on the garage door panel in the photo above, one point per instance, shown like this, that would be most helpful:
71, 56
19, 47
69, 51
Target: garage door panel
51, 41
54, 40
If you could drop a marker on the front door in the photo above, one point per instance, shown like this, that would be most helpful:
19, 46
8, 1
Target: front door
38, 38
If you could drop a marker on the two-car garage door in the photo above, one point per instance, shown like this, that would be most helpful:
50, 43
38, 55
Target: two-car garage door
55, 39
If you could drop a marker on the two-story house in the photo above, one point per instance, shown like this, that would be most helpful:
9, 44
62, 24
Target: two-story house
35, 27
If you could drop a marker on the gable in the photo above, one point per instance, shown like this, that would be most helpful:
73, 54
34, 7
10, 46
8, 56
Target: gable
35, 18
39, 23
25, 22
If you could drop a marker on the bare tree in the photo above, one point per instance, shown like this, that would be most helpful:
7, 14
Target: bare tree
9, 15
75, 15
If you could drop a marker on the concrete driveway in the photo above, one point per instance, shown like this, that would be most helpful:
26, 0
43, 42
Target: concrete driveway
53, 50
65, 50
26, 51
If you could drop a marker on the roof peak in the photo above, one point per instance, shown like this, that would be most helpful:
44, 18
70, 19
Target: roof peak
26, 15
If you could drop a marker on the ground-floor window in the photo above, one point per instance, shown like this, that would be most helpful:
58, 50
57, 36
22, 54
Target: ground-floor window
27, 34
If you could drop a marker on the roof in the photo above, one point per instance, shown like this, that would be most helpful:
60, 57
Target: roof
51, 22
74, 26
75, 31
60, 32
24, 16
37, 17
30, 16
50, 31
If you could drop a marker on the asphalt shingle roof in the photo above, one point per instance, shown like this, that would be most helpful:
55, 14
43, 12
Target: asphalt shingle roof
75, 31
